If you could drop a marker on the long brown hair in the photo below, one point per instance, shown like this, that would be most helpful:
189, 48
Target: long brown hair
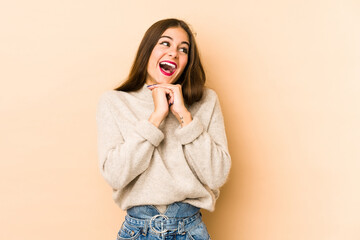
193, 77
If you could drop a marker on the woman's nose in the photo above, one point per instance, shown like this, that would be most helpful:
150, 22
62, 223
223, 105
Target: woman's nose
173, 53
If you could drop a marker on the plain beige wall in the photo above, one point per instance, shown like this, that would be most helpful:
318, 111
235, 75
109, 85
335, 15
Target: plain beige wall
287, 74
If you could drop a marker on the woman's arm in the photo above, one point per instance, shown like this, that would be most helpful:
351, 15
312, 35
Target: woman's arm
123, 157
206, 149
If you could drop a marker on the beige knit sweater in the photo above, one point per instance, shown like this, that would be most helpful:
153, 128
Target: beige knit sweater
146, 165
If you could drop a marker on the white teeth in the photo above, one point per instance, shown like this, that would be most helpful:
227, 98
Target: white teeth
169, 64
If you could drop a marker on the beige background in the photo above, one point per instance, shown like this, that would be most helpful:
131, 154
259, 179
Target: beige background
287, 74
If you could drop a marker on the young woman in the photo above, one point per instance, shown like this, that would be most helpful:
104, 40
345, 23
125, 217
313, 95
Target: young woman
161, 137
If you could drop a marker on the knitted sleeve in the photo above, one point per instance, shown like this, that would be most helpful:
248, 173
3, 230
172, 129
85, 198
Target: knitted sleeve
123, 158
206, 149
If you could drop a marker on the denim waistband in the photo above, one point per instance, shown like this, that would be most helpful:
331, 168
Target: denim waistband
178, 217
174, 210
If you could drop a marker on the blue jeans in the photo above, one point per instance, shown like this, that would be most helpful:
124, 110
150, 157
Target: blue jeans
181, 221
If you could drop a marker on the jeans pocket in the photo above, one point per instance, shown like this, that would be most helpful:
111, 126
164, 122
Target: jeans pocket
199, 232
129, 232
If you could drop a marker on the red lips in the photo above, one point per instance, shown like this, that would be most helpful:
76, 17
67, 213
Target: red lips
167, 68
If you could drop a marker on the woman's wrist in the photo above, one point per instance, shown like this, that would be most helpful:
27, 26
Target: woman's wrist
156, 119
184, 117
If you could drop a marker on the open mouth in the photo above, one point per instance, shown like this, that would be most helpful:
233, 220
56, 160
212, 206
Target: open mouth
167, 68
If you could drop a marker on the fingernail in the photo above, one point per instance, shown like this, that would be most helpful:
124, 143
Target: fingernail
151, 85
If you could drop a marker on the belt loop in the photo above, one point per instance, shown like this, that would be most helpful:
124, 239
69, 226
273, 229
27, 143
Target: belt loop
181, 228
146, 227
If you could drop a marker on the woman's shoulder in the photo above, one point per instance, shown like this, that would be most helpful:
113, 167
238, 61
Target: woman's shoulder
112, 95
209, 90
207, 101
209, 94
112, 99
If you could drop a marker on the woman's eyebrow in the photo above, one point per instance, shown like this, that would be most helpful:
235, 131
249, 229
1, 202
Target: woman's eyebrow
185, 42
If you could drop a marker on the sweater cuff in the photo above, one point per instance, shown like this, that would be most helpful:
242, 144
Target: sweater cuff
190, 132
148, 131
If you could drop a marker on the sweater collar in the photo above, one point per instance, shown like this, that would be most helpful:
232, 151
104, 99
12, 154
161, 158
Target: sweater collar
144, 94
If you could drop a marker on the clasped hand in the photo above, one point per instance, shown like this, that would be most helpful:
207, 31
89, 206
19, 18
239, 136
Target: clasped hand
168, 97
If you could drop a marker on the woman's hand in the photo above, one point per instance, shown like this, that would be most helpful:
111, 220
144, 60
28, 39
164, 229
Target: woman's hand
162, 97
175, 101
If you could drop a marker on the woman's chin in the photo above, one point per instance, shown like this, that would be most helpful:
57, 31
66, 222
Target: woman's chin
162, 80
165, 81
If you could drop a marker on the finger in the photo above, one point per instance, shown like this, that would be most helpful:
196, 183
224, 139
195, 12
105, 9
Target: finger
162, 85
171, 95
160, 94
151, 87
168, 87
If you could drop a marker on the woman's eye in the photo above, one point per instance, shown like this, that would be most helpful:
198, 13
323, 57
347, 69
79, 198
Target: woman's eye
184, 50
165, 43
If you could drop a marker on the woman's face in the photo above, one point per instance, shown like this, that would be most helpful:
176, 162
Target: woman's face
169, 57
